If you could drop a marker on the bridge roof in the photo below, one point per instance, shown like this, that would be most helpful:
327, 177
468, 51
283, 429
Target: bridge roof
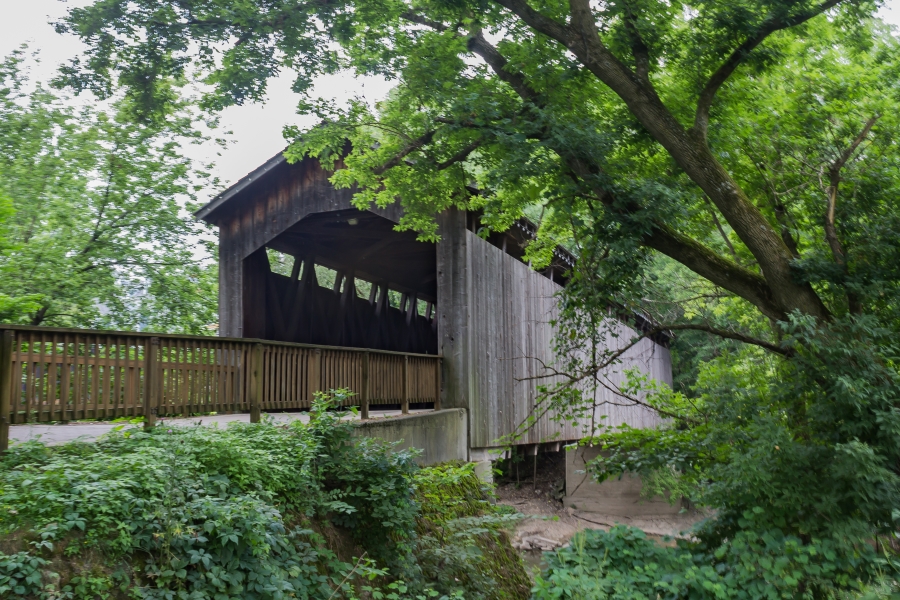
523, 231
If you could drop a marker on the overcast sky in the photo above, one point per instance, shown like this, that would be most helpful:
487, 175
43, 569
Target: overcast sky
256, 128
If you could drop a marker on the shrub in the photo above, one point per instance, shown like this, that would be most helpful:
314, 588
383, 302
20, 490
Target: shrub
623, 564
242, 512
20, 574
201, 512
796, 460
463, 545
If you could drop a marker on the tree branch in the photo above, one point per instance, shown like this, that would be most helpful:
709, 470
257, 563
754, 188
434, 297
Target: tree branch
781, 215
848, 152
725, 333
498, 62
700, 164
415, 17
689, 252
713, 267
572, 379
459, 156
712, 211
698, 257
638, 48
778, 207
615, 389
834, 181
417, 144
39, 316
694, 255
725, 70
537, 21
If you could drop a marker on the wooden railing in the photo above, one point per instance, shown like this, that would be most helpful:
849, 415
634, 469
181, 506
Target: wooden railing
49, 374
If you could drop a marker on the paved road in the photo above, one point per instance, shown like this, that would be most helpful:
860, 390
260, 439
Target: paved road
58, 434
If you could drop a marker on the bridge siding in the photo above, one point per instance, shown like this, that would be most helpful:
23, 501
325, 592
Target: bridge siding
453, 271
511, 308
495, 330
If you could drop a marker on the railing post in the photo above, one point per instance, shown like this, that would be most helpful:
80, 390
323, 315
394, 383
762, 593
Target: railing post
404, 403
6, 346
256, 382
437, 384
364, 392
151, 382
315, 374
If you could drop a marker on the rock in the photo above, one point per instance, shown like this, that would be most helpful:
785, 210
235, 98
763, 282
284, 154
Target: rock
536, 542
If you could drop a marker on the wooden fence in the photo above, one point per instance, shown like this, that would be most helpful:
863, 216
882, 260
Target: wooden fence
49, 374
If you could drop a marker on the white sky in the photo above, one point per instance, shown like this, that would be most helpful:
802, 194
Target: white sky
256, 128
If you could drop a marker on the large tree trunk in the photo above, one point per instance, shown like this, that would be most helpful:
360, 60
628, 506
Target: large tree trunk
764, 242
690, 152
693, 155
739, 280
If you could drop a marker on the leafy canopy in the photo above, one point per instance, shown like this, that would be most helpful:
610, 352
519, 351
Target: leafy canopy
95, 224
625, 127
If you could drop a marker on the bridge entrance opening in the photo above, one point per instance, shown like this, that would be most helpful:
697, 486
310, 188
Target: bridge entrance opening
344, 278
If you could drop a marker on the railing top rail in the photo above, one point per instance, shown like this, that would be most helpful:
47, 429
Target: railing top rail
180, 336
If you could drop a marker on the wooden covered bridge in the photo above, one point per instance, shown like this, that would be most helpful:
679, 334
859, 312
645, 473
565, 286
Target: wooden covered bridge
313, 295
471, 301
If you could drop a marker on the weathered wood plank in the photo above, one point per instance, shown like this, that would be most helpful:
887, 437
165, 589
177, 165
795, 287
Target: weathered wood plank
151, 382
68, 375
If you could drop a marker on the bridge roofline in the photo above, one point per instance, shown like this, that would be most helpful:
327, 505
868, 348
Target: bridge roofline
218, 201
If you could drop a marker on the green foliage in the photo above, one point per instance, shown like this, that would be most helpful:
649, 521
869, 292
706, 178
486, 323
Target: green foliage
463, 546
198, 512
95, 210
619, 564
624, 564
728, 168
456, 121
20, 574
19, 309
665, 482
802, 473
200, 506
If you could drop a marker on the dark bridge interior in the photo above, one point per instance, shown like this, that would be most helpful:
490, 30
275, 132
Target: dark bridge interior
348, 279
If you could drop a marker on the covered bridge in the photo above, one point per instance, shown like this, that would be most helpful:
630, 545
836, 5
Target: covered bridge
298, 263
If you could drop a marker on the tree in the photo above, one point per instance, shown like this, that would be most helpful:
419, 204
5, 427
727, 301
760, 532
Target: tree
743, 148
96, 231
550, 70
